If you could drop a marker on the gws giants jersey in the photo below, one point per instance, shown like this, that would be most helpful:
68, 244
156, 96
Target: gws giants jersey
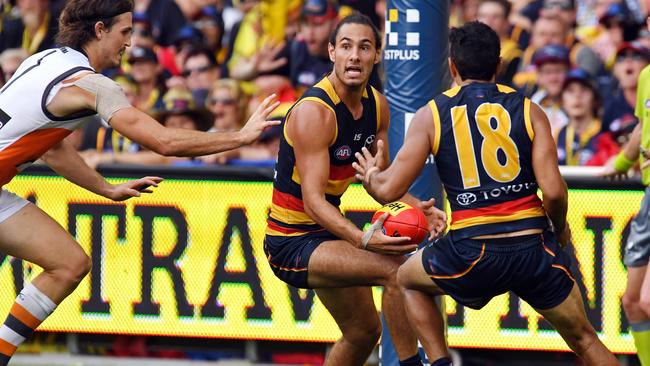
27, 129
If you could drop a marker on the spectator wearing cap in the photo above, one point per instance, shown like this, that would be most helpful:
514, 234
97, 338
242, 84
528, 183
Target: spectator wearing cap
618, 116
142, 35
32, 28
307, 55
210, 23
166, 19
147, 73
200, 71
495, 14
552, 63
580, 140
187, 39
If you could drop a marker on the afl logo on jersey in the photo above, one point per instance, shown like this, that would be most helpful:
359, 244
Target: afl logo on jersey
343, 152
466, 198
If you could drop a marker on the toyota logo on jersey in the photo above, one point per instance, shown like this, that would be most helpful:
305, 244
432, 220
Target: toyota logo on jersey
466, 198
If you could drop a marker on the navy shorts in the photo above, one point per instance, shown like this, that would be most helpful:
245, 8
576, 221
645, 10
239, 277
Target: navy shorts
289, 255
472, 272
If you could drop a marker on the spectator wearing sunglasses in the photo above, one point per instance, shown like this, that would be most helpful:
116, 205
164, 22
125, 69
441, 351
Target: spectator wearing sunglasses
200, 71
631, 58
227, 102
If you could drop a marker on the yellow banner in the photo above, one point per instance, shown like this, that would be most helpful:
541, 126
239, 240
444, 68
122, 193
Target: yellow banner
188, 261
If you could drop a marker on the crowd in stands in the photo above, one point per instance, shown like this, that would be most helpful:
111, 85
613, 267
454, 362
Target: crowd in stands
206, 64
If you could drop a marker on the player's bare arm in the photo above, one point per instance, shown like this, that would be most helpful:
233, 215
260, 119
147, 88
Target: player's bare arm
138, 126
64, 159
547, 174
311, 128
436, 218
392, 183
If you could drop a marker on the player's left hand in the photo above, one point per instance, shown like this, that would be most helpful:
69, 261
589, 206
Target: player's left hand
132, 188
437, 218
367, 163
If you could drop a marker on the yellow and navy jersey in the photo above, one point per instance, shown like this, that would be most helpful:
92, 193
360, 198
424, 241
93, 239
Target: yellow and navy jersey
483, 150
287, 216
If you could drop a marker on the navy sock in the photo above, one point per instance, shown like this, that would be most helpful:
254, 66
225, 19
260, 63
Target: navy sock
445, 361
414, 360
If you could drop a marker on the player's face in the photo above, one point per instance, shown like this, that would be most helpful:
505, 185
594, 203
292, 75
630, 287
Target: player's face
115, 40
354, 55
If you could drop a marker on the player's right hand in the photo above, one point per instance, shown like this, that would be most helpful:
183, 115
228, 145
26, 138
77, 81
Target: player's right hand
258, 121
367, 164
384, 244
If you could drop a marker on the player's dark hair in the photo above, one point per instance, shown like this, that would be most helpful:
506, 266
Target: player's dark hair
475, 48
505, 4
78, 19
356, 18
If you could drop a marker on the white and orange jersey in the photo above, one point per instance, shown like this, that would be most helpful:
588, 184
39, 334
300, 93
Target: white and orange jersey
27, 128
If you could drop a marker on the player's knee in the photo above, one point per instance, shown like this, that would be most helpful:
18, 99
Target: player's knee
390, 276
403, 278
644, 305
364, 333
630, 303
582, 337
77, 266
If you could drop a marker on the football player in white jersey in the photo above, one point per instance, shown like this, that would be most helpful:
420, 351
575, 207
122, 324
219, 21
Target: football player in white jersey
52, 93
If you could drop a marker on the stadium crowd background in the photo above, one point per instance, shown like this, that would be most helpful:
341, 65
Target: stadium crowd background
205, 64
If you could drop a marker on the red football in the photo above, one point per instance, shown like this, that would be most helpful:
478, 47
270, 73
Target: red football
404, 220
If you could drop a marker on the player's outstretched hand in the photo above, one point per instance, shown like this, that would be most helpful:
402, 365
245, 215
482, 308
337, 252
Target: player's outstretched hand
376, 241
436, 218
133, 188
257, 122
367, 163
